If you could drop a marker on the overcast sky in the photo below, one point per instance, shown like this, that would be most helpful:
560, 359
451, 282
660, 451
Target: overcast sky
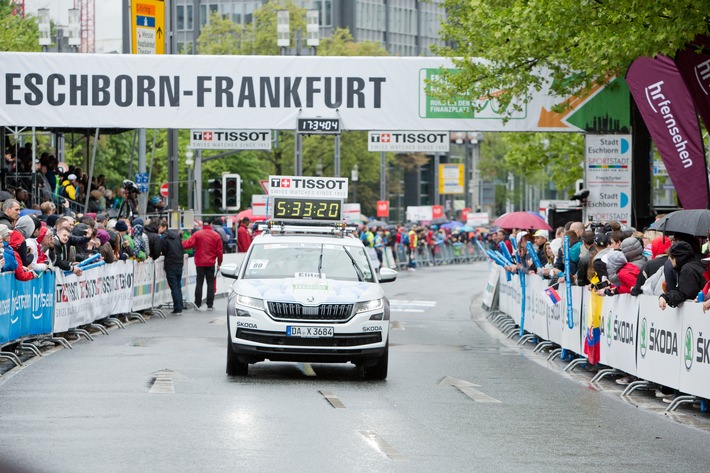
108, 19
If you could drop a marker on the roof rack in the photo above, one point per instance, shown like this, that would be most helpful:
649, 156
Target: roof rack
300, 227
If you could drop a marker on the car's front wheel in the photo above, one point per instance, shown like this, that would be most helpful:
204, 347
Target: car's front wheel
378, 371
234, 366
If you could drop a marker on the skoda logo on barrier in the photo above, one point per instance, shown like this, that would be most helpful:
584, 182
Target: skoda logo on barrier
688, 351
608, 330
643, 345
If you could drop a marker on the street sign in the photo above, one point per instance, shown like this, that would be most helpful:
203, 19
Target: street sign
148, 27
383, 208
164, 189
265, 185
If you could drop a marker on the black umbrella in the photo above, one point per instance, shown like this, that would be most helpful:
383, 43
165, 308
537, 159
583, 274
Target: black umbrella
439, 221
4, 195
692, 222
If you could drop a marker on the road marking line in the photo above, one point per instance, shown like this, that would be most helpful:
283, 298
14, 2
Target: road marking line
333, 399
162, 385
379, 443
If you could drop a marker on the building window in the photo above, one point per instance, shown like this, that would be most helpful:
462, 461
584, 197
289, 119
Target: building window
189, 17
180, 16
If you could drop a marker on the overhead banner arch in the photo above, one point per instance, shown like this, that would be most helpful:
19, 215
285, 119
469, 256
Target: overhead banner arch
250, 92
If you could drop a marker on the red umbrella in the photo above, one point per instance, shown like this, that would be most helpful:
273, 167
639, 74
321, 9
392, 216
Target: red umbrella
522, 220
250, 215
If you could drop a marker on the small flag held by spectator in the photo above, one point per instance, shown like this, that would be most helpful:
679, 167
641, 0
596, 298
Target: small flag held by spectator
552, 297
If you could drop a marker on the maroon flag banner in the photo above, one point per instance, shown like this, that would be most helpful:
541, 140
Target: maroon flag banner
693, 63
667, 109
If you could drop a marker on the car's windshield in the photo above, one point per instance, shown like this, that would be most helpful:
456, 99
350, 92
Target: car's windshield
284, 260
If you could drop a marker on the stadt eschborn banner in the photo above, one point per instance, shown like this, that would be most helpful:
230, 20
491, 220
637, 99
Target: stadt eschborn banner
244, 92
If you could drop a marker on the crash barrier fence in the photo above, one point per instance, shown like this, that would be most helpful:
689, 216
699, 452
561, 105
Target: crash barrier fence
56, 302
434, 255
668, 347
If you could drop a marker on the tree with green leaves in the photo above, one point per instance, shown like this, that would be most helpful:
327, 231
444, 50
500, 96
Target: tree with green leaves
501, 46
17, 33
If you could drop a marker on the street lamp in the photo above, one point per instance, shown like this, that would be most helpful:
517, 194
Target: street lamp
189, 162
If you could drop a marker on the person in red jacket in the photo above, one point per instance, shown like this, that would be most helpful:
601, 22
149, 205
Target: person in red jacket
243, 235
208, 250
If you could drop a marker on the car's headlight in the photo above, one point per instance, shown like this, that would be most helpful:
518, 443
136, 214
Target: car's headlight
252, 302
367, 306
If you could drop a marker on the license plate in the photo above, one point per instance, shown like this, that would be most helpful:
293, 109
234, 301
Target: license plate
308, 332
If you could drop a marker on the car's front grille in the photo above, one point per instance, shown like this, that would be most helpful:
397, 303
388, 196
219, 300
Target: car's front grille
337, 340
323, 312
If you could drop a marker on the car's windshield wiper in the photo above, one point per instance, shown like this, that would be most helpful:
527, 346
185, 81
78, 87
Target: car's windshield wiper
360, 274
320, 260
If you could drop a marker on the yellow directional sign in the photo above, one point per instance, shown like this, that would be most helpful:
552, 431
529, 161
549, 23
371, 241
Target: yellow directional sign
148, 27
451, 179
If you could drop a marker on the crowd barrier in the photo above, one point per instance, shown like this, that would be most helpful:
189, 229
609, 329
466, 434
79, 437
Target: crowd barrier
435, 255
669, 348
57, 302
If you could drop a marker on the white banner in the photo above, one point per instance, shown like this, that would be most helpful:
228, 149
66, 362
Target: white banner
659, 343
694, 350
161, 292
491, 288
299, 186
572, 337
619, 332
142, 285
249, 92
607, 176
230, 139
417, 213
96, 294
408, 141
536, 306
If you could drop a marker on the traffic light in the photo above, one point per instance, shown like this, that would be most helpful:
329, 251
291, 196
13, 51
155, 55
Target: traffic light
231, 190
215, 189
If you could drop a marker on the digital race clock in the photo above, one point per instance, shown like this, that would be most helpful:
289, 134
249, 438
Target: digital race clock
318, 125
307, 208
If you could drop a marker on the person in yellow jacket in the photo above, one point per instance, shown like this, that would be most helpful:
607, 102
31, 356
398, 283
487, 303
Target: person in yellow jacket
413, 242
70, 186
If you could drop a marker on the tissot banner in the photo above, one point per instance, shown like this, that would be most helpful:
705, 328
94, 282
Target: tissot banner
408, 141
694, 67
230, 139
667, 109
253, 92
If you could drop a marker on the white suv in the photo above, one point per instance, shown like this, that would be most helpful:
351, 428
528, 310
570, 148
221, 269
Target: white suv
308, 298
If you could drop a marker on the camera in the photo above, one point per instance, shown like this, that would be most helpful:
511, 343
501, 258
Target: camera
581, 195
131, 186
601, 285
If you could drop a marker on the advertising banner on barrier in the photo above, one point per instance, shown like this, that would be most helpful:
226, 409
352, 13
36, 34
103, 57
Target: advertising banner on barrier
97, 293
659, 355
40, 315
161, 290
572, 337
536, 306
619, 332
509, 297
694, 349
6, 280
489, 295
142, 285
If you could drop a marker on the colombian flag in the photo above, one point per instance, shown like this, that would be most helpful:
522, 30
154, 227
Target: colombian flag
594, 318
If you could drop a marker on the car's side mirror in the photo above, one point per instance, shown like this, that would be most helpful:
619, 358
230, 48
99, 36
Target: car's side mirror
387, 275
230, 270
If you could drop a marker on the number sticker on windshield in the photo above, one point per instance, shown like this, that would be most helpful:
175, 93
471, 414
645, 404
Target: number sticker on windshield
258, 263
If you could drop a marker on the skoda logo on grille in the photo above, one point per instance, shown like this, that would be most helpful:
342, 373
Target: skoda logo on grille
310, 298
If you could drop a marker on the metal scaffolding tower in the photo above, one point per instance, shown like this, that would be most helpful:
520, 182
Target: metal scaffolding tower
87, 19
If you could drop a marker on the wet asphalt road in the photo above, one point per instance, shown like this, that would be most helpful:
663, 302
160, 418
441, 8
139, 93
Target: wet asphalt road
155, 398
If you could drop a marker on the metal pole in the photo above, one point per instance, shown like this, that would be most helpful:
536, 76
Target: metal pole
437, 197
190, 199
91, 170
383, 175
126, 27
336, 172
173, 171
198, 183
297, 157
143, 196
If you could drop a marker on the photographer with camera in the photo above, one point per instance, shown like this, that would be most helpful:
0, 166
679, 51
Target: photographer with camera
130, 202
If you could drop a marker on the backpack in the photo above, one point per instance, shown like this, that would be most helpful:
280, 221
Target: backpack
10, 261
405, 239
